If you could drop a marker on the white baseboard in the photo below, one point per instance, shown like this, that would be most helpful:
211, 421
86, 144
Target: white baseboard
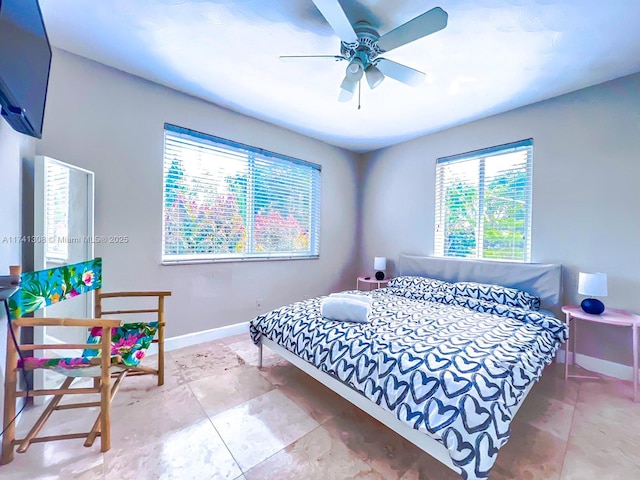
181, 341
604, 367
189, 339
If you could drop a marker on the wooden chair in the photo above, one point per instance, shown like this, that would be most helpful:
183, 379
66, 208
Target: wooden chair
126, 344
159, 311
101, 386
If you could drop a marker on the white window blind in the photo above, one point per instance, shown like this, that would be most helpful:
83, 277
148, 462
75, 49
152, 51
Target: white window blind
483, 203
228, 201
57, 211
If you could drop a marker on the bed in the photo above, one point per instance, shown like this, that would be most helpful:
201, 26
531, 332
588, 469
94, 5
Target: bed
443, 362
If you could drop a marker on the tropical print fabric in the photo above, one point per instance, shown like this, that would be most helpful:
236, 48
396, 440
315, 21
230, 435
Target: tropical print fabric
62, 363
45, 287
451, 371
129, 344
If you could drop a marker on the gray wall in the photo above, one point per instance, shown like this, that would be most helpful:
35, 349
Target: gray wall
586, 170
14, 147
584, 200
112, 123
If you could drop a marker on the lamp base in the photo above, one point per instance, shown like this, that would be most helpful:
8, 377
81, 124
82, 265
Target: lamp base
379, 275
592, 306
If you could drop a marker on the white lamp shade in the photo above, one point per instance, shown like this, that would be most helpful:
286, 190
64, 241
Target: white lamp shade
374, 76
349, 85
380, 263
592, 284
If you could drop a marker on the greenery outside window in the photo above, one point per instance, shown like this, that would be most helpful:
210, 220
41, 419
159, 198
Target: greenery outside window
483, 203
228, 201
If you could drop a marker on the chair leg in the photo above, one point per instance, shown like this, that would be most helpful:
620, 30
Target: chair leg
160, 363
24, 445
93, 433
105, 391
10, 389
160, 341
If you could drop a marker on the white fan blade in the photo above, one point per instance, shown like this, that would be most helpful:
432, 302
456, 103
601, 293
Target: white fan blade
400, 72
345, 95
289, 58
334, 14
421, 26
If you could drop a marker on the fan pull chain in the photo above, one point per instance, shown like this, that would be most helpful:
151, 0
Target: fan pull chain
359, 92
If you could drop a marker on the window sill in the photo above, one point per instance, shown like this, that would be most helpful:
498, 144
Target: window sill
193, 261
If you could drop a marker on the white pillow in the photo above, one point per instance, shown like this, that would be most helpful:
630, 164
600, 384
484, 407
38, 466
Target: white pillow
345, 310
352, 296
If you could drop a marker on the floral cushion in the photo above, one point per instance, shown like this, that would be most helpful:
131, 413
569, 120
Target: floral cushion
497, 294
129, 343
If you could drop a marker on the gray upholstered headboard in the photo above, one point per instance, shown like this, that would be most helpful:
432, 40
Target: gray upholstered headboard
543, 280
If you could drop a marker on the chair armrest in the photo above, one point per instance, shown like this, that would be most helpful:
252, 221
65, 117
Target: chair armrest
135, 294
68, 322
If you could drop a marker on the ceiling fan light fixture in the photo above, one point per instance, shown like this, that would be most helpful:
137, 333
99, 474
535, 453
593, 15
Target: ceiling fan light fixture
349, 85
355, 69
345, 96
374, 76
361, 46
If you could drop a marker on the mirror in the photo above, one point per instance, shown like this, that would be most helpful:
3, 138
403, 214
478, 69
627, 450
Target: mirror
63, 234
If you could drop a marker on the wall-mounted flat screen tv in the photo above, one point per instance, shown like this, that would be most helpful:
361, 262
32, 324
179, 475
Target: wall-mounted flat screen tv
25, 59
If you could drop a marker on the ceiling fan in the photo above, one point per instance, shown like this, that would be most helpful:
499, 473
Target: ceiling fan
361, 46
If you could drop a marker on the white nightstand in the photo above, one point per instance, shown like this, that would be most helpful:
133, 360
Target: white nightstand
611, 316
371, 282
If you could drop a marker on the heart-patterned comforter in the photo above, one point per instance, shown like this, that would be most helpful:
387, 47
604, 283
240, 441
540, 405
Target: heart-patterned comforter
452, 372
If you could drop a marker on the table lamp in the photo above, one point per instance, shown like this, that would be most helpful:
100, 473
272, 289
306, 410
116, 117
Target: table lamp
592, 285
380, 264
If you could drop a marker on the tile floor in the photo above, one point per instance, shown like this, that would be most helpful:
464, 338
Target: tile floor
219, 417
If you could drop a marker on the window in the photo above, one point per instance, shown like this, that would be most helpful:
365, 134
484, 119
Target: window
57, 210
228, 201
483, 203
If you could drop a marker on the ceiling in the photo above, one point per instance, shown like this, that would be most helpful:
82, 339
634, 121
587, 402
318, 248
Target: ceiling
494, 56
